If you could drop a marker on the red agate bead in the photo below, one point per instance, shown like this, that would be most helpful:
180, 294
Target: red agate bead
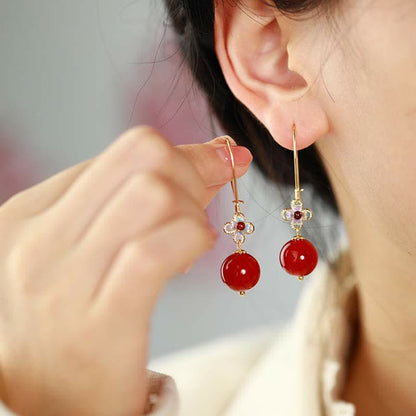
240, 271
299, 257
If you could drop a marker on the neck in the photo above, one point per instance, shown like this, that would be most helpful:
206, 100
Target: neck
382, 376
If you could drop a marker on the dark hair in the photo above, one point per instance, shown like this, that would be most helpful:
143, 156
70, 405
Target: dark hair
193, 22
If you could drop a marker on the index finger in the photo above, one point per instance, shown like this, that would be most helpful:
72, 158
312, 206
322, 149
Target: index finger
194, 168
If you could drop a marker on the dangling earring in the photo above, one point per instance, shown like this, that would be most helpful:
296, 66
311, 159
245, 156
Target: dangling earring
240, 271
298, 256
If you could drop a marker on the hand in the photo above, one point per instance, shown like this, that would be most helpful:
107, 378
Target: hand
84, 256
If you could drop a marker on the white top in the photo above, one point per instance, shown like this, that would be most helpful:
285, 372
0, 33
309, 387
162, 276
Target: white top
297, 370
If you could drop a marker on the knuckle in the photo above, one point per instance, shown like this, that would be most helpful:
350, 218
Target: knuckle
208, 236
138, 252
155, 149
156, 191
190, 224
144, 149
136, 132
164, 195
21, 265
15, 261
145, 139
29, 258
197, 229
144, 142
142, 130
14, 201
21, 255
8, 229
18, 207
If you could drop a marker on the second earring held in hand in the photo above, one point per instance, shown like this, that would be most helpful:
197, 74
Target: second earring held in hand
299, 257
85, 254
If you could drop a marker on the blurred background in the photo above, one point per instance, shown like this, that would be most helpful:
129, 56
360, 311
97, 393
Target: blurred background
75, 75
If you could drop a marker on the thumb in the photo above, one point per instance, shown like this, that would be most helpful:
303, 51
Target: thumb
212, 160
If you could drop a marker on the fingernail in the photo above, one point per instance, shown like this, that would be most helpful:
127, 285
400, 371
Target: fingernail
242, 156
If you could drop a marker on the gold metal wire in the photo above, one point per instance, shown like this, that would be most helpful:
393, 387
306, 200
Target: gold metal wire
236, 201
296, 165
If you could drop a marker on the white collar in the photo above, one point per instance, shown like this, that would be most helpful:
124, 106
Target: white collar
303, 371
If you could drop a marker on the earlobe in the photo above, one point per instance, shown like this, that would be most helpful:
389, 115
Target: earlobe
251, 44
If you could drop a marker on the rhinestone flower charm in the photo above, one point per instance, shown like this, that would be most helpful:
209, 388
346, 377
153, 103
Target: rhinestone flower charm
296, 215
239, 227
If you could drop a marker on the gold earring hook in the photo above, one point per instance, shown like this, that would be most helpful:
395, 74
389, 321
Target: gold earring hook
296, 165
236, 201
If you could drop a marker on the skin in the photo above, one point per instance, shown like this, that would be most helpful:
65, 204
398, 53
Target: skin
348, 82
81, 270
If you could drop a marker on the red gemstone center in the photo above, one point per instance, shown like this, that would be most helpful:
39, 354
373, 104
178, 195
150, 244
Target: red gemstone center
241, 225
298, 215
299, 257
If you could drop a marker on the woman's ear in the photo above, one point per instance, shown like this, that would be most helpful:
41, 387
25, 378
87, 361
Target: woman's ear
254, 44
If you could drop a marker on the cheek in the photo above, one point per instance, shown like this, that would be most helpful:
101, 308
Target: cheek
369, 89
